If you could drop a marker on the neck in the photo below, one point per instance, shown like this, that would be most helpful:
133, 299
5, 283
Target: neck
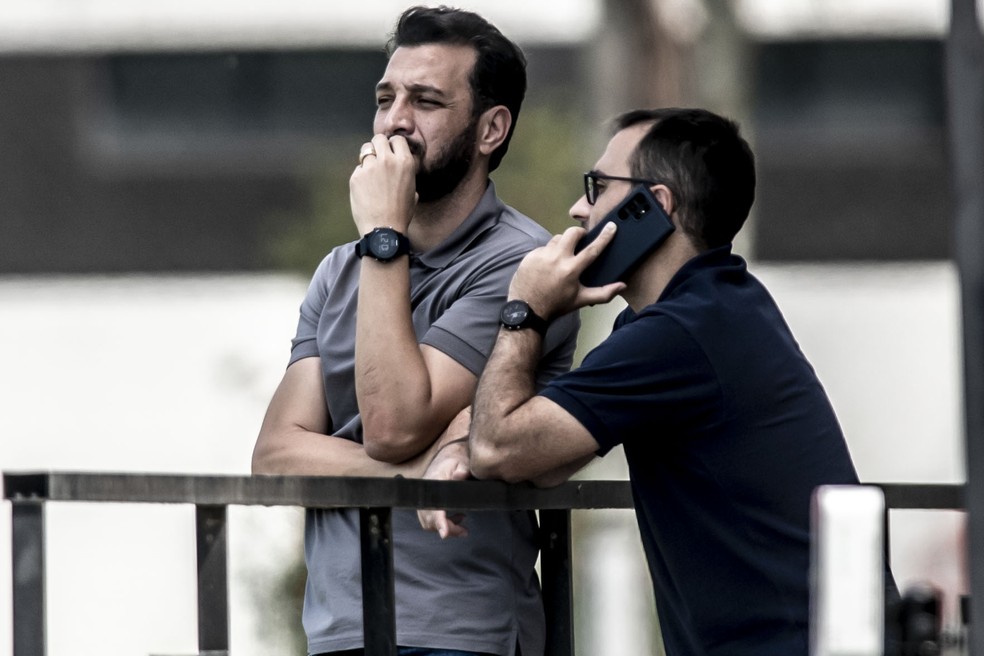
433, 222
647, 282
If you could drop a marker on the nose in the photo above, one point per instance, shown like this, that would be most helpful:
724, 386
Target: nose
580, 210
396, 119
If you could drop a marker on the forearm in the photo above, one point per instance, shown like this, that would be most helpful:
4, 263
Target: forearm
407, 393
391, 379
517, 435
298, 452
507, 383
293, 438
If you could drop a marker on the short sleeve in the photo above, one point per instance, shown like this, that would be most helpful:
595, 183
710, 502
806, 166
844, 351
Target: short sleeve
466, 330
648, 379
305, 342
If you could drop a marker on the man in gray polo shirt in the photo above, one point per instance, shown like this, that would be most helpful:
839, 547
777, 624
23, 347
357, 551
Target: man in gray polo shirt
393, 334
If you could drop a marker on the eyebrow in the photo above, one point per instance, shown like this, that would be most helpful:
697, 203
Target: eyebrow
414, 88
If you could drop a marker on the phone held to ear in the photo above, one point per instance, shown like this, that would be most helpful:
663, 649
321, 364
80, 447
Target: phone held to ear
642, 227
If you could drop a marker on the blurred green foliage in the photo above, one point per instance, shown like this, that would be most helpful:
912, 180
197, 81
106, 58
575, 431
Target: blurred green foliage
299, 241
540, 176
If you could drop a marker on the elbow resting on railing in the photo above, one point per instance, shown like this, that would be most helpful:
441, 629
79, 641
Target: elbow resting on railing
395, 446
490, 461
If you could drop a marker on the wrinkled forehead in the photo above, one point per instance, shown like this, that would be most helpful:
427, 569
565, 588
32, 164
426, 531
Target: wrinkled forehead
445, 68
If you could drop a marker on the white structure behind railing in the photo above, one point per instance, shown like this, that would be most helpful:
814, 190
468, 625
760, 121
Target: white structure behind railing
172, 374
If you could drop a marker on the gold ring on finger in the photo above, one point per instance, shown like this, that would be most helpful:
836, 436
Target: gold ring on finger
366, 150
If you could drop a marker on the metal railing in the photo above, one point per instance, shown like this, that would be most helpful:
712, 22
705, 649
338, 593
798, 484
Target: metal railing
374, 497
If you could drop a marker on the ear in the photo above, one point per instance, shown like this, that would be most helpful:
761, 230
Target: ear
493, 126
665, 198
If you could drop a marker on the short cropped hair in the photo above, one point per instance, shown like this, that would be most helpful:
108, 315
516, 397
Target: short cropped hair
706, 164
499, 75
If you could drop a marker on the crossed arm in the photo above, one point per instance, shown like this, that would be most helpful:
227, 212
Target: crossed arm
514, 434
407, 393
294, 438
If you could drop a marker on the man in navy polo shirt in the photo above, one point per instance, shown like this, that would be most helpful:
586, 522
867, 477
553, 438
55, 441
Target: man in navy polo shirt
726, 428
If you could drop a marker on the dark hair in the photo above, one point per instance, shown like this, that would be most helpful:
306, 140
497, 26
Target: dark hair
706, 164
499, 75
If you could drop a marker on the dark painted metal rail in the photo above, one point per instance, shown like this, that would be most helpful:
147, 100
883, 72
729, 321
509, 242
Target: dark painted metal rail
965, 131
374, 497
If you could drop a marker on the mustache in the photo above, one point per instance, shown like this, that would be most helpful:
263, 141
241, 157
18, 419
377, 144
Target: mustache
416, 148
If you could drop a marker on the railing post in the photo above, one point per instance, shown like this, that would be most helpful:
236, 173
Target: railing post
378, 589
27, 541
213, 588
556, 570
965, 95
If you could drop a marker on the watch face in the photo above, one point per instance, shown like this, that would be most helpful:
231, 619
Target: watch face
514, 313
383, 244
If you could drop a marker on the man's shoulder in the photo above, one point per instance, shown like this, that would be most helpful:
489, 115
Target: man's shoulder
513, 229
336, 259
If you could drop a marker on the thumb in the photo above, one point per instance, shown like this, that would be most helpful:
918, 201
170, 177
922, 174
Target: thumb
460, 472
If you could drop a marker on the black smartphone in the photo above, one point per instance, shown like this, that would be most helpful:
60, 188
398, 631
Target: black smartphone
642, 227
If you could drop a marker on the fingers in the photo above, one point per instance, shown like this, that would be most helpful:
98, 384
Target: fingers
461, 472
430, 520
600, 243
568, 242
600, 295
399, 146
367, 150
381, 147
444, 525
381, 189
569, 239
454, 528
382, 144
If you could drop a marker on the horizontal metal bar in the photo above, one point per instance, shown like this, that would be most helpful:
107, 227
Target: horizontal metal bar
312, 491
924, 496
356, 492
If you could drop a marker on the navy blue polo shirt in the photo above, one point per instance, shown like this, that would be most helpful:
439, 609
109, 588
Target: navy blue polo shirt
727, 431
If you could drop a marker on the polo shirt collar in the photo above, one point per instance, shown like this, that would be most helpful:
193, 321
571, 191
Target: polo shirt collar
484, 216
714, 258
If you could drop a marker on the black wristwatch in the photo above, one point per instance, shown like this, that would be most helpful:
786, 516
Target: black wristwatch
516, 315
383, 244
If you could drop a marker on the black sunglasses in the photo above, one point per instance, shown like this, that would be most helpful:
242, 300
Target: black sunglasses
591, 188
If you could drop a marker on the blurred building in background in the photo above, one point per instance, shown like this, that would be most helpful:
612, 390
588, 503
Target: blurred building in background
164, 137
157, 138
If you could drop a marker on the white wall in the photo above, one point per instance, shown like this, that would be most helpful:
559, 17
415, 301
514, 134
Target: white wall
172, 374
165, 374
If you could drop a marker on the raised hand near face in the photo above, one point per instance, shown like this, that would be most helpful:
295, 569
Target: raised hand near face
548, 277
382, 189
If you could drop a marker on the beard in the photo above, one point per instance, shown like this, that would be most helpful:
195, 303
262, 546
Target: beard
437, 180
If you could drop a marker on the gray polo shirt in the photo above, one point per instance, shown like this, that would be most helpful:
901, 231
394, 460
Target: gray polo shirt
478, 593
